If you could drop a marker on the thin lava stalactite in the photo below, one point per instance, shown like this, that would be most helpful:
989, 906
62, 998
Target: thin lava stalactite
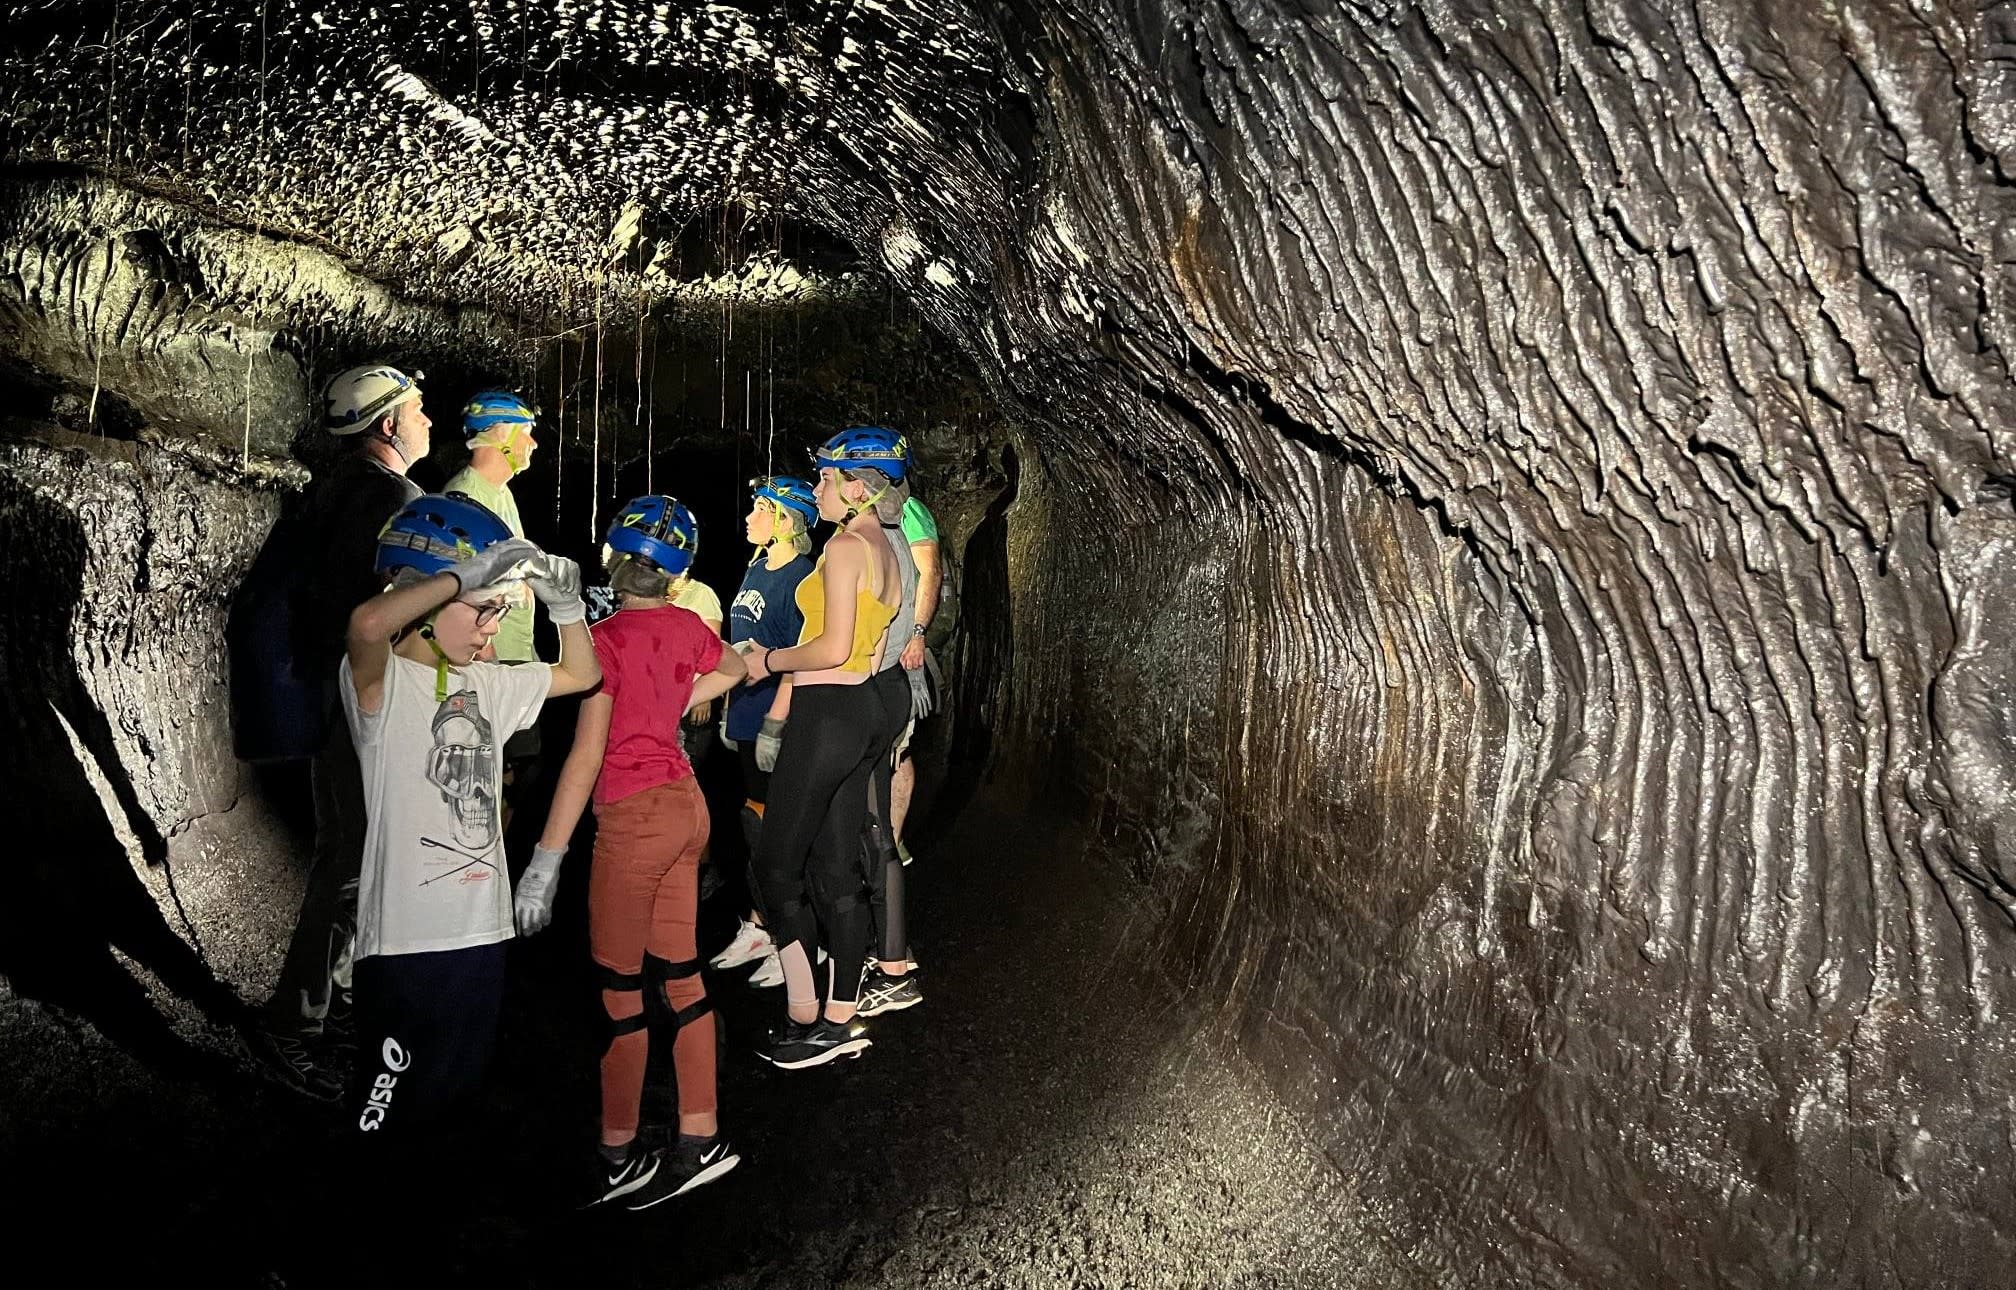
1512, 536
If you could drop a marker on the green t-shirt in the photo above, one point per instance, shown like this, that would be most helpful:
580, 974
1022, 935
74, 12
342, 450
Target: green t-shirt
514, 635
918, 525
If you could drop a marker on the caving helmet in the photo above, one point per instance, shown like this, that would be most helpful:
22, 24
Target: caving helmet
498, 419
659, 529
354, 400
430, 534
792, 493
866, 448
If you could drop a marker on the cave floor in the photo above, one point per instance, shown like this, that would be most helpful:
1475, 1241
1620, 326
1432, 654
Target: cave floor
1048, 1117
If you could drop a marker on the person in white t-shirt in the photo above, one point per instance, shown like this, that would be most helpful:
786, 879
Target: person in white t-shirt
435, 904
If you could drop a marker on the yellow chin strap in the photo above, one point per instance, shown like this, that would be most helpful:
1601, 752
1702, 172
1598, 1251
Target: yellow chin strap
776, 513
508, 445
441, 660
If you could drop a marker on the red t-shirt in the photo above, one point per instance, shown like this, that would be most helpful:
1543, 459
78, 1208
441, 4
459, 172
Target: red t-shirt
649, 660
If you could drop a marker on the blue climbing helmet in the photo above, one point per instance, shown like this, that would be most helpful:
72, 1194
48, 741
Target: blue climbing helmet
659, 529
866, 448
489, 410
792, 492
432, 533
501, 420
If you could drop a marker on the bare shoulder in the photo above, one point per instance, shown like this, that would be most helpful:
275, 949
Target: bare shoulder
846, 550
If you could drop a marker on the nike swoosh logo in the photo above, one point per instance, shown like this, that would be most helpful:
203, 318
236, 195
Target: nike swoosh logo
707, 1157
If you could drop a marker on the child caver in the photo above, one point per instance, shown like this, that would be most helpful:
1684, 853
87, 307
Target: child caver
660, 662
434, 902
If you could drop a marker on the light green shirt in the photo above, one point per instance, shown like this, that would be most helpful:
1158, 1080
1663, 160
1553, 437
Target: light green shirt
700, 598
514, 635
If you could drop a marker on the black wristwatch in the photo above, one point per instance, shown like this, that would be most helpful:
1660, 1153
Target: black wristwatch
916, 629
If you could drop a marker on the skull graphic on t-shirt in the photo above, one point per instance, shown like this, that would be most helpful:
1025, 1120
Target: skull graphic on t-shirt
463, 765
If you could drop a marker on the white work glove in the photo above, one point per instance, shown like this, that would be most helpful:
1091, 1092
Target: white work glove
768, 741
493, 564
556, 580
532, 903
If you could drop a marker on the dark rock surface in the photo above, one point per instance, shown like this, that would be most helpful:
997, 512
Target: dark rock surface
1511, 536
1048, 1118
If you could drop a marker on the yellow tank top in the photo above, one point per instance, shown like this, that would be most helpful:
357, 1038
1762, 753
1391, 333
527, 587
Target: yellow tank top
871, 619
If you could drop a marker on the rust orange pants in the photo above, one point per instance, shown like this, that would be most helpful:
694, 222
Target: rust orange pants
643, 898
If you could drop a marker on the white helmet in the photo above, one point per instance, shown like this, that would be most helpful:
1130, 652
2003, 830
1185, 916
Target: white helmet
356, 399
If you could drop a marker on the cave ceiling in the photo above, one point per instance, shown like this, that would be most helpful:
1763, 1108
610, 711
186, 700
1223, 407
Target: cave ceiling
541, 159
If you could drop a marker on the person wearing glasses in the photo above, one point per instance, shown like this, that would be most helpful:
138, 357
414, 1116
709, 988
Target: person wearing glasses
435, 903
765, 615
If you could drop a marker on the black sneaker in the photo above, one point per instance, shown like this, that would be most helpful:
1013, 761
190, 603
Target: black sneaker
290, 1060
694, 1162
814, 1043
881, 992
341, 1019
637, 1170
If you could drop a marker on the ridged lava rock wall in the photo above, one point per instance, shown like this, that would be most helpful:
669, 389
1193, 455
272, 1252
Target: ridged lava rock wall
1539, 621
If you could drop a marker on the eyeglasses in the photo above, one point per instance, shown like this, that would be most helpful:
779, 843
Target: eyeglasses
490, 611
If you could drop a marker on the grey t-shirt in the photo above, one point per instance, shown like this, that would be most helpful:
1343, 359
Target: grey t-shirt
899, 627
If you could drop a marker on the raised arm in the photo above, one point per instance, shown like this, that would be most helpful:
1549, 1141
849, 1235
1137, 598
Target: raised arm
373, 623
377, 620
578, 668
556, 580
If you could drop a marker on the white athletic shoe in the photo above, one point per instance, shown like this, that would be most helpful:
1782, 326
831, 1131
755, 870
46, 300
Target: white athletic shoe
769, 973
751, 942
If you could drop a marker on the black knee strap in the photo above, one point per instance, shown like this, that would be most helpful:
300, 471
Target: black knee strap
658, 971
784, 914
846, 904
624, 983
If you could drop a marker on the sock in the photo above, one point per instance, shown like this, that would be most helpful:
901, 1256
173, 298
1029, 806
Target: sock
615, 1156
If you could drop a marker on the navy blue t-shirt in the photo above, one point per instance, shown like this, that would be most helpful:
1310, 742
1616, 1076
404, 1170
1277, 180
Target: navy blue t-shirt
766, 612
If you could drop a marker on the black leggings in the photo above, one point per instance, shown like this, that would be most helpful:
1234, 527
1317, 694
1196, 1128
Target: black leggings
812, 827
879, 861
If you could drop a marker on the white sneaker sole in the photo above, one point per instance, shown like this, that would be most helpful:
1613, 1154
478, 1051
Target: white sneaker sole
729, 958
626, 1188
701, 1179
852, 1048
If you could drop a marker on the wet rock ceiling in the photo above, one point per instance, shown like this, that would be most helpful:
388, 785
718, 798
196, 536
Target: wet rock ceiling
1514, 545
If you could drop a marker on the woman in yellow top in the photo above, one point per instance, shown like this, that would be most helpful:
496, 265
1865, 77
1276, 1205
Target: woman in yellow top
808, 859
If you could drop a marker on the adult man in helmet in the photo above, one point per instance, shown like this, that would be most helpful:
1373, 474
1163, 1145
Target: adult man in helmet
374, 414
498, 427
